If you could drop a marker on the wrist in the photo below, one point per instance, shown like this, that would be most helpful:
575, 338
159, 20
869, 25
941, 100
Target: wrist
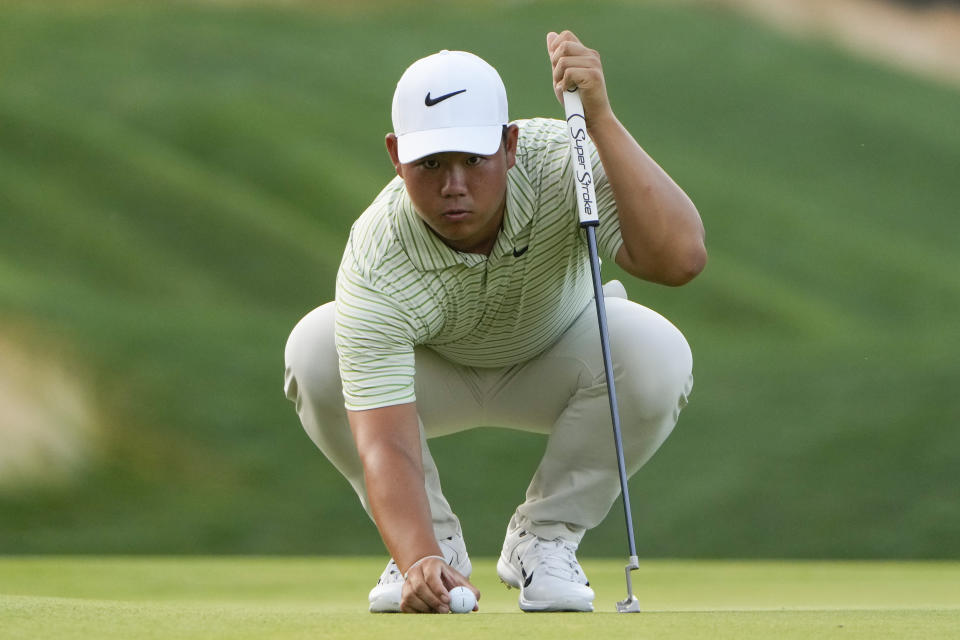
603, 125
417, 563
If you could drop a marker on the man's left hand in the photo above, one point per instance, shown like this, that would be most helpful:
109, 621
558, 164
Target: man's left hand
575, 65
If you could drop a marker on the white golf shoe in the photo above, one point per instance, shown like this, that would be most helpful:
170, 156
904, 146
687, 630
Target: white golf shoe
385, 597
546, 572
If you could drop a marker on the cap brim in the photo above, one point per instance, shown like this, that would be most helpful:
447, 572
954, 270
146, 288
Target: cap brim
483, 141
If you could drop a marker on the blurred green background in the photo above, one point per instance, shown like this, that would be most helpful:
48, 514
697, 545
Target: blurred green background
177, 182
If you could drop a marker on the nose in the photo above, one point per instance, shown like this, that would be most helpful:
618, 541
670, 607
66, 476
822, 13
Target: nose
454, 182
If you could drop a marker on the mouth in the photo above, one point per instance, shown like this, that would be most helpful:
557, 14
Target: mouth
456, 214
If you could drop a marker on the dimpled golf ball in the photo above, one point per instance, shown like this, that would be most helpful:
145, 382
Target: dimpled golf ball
462, 600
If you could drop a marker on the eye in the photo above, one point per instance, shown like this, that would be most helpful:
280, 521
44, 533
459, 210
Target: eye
473, 161
430, 163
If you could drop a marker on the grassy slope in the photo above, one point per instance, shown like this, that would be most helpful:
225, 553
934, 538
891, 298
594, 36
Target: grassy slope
176, 185
299, 597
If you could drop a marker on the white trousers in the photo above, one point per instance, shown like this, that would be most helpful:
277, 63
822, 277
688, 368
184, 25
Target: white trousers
561, 393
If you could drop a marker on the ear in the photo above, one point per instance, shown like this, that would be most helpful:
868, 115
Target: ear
391, 141
510, 145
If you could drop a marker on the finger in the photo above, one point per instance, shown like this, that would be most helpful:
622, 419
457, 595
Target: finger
576, 64
430, 600
576, 58
551, 46
567, 52
434, 582
556, 40
551, 37
568, 63
566, 36
423, 599
567, 49
410, 602
590, 84
425, 583
452, 578
413, 605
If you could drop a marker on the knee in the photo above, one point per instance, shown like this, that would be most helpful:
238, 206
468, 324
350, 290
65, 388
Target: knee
310, 359
654, 360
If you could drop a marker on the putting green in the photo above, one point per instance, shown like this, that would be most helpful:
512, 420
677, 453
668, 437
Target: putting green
256, 597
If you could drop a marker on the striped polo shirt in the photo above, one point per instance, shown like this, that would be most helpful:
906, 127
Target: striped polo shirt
400, 286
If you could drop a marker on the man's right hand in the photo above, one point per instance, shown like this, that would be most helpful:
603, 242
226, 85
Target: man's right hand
389, 444
427, 587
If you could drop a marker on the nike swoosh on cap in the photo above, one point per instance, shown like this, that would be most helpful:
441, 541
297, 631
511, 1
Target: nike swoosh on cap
432, 101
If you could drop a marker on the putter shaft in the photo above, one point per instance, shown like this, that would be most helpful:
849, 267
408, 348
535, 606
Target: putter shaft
611, 391
589, 219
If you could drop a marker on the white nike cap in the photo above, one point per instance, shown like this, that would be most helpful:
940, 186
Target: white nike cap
450, 101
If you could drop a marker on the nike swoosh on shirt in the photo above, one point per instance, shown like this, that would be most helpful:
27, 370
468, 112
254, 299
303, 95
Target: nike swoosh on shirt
519, 252
432, 101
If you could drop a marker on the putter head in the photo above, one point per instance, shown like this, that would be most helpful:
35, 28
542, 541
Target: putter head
630, 605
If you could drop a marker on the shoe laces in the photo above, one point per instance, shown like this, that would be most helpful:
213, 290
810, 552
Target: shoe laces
557, 558
391, 574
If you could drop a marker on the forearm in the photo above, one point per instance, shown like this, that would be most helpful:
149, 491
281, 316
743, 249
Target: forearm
388, 441
400, 508
660, 226
661, 229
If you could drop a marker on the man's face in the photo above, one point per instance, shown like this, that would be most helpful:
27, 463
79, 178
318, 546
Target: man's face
460, 196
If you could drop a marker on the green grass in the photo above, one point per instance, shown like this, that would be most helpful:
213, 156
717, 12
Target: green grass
325, 598
177, 181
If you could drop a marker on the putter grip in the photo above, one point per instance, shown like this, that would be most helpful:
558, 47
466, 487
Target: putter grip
580, 157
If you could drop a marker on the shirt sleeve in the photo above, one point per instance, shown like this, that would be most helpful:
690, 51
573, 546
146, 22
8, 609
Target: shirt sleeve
375, 340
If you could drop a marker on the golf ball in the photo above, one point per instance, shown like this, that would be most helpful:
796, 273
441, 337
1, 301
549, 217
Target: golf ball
462, 600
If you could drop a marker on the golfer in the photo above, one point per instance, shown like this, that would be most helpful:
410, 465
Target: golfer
464, 299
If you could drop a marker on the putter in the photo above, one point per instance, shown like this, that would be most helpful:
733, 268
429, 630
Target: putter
587, 208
